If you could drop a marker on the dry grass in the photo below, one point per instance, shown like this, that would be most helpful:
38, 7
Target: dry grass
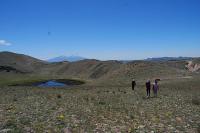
101, 109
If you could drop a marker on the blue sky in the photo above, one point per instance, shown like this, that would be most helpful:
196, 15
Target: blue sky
101, 29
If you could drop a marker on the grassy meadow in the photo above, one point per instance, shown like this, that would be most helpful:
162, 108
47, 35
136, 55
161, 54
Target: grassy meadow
90, 108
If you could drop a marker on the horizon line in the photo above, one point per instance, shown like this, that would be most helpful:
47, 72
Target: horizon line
86, 58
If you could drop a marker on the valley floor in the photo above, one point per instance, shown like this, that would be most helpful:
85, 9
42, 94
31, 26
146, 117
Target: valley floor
101, 109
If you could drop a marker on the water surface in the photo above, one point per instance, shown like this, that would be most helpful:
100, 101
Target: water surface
52, 83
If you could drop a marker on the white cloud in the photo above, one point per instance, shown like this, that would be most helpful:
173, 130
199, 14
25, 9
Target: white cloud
5, 43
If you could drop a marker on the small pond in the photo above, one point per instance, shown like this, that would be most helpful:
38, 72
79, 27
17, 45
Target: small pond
52, 83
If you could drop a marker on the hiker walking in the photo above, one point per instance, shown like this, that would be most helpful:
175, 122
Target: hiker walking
148, 88
133, 84
155, 88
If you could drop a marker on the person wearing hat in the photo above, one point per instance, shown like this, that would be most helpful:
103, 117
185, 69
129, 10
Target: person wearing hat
155, 88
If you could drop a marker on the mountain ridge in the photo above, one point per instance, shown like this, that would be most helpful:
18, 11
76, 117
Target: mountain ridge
90, 69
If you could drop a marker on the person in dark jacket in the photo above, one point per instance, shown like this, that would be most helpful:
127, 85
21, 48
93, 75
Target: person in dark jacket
148, 88
133, 84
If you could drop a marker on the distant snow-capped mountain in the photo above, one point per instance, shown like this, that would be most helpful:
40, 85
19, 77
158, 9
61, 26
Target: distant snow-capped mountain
66, 58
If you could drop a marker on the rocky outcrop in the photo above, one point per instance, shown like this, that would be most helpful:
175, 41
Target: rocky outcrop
193, 67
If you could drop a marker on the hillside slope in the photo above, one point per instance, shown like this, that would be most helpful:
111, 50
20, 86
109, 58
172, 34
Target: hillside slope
98, 71
20, 62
